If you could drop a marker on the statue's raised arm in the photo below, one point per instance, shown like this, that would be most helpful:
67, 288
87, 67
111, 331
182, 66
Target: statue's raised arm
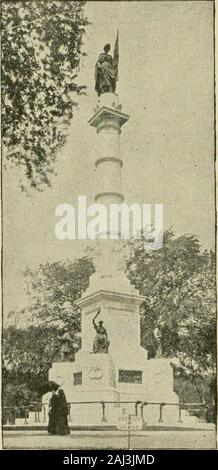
94, 318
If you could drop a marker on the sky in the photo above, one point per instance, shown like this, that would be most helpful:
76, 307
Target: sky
166, 86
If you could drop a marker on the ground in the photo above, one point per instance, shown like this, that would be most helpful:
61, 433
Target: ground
201, 439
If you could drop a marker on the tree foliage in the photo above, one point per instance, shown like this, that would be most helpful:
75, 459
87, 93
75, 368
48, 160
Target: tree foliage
28, 354
31, 343
179, 285
54, 288
41, 52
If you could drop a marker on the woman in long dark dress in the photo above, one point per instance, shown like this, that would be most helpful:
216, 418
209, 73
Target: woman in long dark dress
62, 413
52, 413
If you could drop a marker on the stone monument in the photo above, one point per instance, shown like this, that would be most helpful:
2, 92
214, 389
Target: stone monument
112, 367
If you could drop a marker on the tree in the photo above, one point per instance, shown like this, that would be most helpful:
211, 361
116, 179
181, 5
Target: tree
179, 285
54, 288
28, 354
196, 320
159, 276
31, 344
41, 51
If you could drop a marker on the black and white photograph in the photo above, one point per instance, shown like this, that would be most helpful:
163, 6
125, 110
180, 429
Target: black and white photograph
108, 225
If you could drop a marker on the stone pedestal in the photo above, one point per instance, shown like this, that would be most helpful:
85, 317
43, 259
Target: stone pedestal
123, 375
120, 314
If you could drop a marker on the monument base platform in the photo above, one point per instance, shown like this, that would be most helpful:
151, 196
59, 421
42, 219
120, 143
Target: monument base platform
98, 388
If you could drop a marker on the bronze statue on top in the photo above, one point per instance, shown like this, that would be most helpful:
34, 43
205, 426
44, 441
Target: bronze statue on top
101, 342
106, 70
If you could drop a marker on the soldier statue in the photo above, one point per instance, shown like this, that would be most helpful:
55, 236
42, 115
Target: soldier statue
158, 341
106, 70
66, 346
101, 342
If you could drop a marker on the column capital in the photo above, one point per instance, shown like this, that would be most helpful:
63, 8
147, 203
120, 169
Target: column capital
106, 115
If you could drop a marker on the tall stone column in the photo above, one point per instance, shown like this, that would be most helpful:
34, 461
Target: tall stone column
109, 288
109, 259
108, 120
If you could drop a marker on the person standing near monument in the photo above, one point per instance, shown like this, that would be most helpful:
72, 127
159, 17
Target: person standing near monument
52, 414
62, 413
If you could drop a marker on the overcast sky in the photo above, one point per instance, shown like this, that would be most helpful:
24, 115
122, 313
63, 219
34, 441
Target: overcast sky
166, 86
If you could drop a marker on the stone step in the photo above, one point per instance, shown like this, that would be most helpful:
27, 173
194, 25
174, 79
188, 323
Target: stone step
89, 429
